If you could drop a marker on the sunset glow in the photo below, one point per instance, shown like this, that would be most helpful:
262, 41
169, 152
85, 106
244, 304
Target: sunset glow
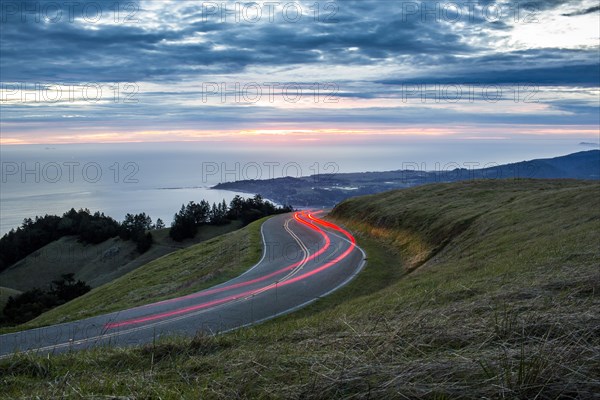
253, 72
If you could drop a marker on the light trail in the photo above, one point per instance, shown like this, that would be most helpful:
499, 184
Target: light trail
333, 226
256, 280
297, 217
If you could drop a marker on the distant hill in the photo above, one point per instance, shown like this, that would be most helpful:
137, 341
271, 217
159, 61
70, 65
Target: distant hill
328, 190
581, 165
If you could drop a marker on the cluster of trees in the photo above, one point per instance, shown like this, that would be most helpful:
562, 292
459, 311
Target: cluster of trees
136, 227
32, 303
94, 228
254, 208
191, 216
35, 234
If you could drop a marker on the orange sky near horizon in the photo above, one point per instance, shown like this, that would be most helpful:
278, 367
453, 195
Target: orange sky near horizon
495, 132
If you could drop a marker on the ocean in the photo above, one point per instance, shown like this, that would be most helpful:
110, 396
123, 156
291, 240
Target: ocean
157, 178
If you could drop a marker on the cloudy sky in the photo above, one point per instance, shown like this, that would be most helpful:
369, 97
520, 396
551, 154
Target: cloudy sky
129, 71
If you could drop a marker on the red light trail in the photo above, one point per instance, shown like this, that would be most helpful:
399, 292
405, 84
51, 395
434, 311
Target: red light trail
297, 216
256, 280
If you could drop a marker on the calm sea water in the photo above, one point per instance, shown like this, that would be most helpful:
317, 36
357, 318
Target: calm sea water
158, 178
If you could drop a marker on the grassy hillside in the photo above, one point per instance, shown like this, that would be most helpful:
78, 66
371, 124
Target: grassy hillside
67, 255
95, 264
474, 289
178, 273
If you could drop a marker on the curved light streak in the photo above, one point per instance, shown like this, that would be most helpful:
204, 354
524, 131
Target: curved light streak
297, 216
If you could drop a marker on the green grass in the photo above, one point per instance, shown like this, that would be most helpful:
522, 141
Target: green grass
484, 289
96, 264
176, 274
66, 255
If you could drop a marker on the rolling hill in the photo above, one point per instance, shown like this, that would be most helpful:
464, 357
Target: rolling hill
476, 289
96, 264
187, 270
329, 189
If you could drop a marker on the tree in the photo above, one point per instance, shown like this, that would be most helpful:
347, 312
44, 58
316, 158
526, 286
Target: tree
135, 227
183, 225
218, 213
142, 222
28, 305
198, 212
35, 233
67, 288
127, 227
236, 207
159, 224
32, 303
144, 242
189, 218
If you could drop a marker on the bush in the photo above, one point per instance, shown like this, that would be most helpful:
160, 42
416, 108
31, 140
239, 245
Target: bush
34, 302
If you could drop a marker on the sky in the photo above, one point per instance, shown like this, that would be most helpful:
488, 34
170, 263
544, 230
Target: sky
156, 71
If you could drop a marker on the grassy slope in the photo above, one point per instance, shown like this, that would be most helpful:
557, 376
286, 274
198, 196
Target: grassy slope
95, 264
164, 245
475, 289
63, 256
178, 273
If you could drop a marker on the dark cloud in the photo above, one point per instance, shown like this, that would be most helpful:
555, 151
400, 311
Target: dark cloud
188, 45
565, 75
590, 10
376, 31
542, 5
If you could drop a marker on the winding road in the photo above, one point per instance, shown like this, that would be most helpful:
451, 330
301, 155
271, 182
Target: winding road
304, 258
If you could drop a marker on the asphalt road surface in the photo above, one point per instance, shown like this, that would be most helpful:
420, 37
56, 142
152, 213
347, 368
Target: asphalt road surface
304, 258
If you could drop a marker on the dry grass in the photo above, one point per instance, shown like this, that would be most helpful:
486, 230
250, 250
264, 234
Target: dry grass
505, 307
